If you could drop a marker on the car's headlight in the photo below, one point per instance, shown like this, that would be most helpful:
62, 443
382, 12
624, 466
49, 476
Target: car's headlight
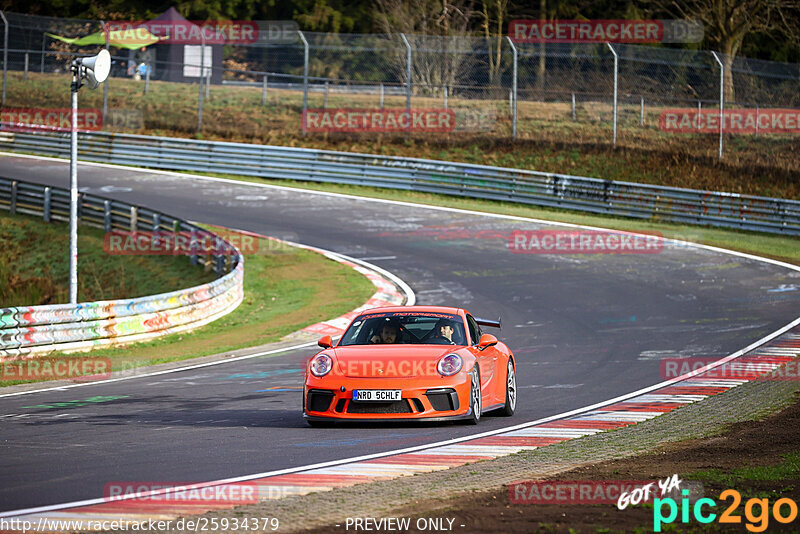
321, 364
449, 365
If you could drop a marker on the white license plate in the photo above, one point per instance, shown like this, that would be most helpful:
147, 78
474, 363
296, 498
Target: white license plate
377, 395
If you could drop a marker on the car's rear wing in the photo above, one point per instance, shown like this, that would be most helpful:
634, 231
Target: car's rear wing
488, 322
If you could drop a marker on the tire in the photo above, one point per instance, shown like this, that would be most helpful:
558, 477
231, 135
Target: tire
475, 397
510, 406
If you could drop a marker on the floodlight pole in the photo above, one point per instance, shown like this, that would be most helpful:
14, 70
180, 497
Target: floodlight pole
73, 185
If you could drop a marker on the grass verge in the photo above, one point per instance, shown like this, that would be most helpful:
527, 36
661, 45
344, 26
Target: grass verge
285, 289
34, 266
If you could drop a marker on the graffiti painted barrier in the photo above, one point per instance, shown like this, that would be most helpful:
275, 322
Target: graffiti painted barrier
30, 330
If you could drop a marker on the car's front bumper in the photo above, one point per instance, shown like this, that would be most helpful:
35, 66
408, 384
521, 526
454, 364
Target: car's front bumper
331, 398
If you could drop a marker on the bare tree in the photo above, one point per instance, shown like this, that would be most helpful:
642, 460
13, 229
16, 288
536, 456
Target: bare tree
438, 32
728, 22
494, 13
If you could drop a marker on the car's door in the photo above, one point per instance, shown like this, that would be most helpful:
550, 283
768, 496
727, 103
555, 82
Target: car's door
487, 362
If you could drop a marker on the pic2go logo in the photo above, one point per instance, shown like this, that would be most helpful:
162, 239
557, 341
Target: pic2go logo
757, 522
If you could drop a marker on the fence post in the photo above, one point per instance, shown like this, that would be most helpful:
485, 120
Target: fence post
641, 111
13, 207
408, 78
46, 210
381, 95
721, 101
5, 55
264, 91
305, 79
325, 104
756, 120
27, 59
445, 97
146, 78
573, 106
616, 71
514, 89
202, 70
41, 67
107, 223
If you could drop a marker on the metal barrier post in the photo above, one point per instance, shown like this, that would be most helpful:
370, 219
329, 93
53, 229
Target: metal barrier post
264, 91
721, 101
134, 219
325, 103
107, 216
616, 71
305, 78
514, 82
46, 209
13, 206
381, 95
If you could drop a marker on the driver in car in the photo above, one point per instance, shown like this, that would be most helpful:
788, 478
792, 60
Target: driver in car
388, 334
443, 333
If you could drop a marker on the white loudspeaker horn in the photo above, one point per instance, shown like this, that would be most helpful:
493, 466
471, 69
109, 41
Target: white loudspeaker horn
97, 68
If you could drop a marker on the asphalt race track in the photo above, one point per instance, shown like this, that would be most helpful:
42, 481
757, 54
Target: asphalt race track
584, 328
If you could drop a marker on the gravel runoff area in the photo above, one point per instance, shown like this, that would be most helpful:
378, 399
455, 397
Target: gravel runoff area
433, 494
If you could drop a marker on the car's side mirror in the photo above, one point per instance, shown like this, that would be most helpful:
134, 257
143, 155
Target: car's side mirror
486, 341
326, 342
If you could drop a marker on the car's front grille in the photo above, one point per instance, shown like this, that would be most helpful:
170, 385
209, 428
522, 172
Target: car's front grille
400, 406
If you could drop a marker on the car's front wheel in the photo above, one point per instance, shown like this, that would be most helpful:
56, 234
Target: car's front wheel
511, 391
475, 397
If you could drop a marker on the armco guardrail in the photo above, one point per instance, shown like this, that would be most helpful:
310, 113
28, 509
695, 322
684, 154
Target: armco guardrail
594, 195
34, 329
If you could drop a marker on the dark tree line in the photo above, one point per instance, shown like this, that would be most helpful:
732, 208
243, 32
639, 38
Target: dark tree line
766, 29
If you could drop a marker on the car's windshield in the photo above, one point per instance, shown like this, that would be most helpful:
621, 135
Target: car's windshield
405, 328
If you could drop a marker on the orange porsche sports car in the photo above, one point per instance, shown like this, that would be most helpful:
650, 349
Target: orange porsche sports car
409, 363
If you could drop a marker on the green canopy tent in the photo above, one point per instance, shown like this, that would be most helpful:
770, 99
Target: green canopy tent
131, 38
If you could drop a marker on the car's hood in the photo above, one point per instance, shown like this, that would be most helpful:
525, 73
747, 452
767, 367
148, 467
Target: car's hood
390, 361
